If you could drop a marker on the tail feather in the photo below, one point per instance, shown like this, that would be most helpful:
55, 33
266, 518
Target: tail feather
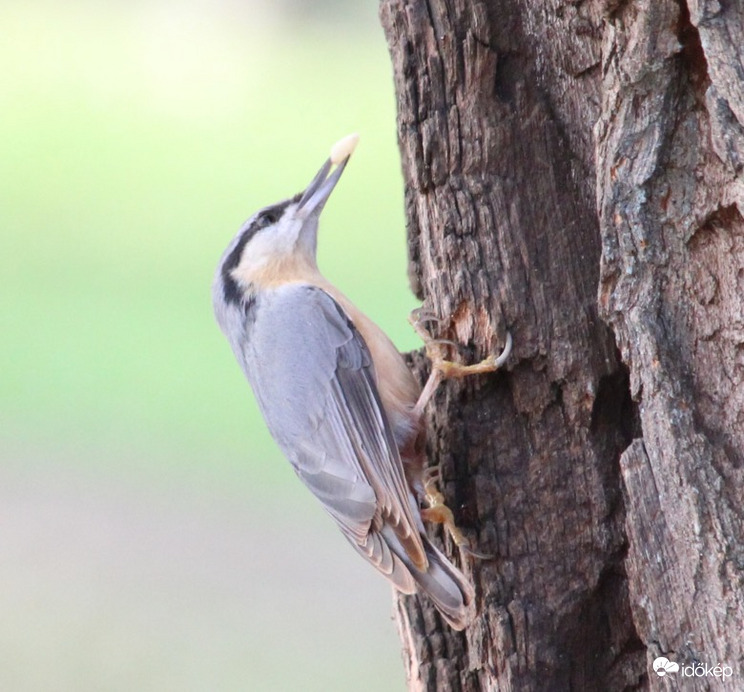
377, 550
449, 589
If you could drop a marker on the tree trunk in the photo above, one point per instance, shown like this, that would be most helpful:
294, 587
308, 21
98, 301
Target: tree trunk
573, 175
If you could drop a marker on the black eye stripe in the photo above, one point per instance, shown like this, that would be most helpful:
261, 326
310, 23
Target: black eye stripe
271, 214
264, 218
230, 288
268, 217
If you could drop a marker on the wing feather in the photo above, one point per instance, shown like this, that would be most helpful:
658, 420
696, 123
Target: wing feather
313, 377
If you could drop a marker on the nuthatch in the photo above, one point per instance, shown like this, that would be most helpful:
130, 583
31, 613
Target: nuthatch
336, 394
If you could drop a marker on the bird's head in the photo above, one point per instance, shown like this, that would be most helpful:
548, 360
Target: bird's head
278, 243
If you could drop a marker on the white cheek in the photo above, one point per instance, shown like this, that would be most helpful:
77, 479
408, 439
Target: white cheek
267, 245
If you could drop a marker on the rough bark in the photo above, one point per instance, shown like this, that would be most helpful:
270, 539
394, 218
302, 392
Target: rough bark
670, 198
554, 152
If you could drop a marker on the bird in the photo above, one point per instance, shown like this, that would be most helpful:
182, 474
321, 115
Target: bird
338, 397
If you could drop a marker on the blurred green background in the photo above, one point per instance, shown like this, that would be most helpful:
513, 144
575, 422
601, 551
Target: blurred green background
151, 535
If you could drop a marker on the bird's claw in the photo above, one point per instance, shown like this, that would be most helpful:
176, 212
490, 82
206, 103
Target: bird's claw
418, 316
450, 368
438, 512
490, 364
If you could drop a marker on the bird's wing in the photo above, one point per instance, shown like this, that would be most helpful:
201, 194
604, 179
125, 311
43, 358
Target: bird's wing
313, 376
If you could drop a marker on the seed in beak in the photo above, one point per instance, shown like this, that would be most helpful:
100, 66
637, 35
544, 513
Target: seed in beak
344, 148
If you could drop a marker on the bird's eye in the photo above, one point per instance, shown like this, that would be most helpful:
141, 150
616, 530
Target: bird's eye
269, 217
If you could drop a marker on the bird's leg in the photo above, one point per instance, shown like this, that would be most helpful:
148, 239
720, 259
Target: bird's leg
449, 368
441, 368
439, 513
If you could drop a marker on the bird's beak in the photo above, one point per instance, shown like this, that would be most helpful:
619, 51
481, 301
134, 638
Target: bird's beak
319, 190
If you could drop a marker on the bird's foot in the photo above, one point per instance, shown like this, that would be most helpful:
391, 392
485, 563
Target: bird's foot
449, 368
438, 512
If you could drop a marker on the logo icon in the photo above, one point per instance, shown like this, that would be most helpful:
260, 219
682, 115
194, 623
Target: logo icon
663, 666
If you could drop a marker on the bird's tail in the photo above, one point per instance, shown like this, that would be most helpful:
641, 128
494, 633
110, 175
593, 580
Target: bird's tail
446, 585
449, 589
